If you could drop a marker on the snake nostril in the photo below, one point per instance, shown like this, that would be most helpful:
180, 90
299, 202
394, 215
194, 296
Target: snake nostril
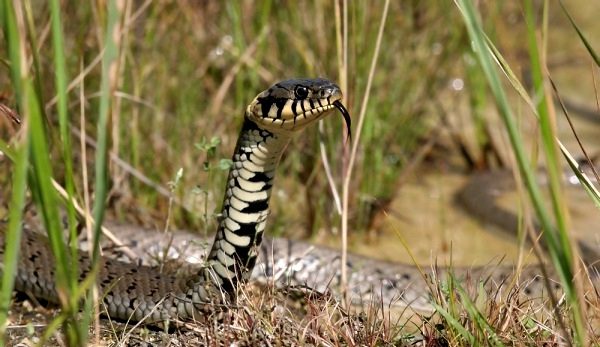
323, 93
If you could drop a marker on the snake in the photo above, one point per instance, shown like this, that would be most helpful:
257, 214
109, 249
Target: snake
136, 289
133, 292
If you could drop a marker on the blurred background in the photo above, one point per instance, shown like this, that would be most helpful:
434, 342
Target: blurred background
187, 69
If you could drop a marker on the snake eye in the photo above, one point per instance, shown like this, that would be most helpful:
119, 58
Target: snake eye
301, 92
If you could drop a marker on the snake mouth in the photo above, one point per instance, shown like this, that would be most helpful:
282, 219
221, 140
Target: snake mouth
338, 104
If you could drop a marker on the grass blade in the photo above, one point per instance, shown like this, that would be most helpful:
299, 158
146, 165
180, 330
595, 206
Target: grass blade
593, 193
586, 43
454, 323
353, 155
555, 238
108, 78
13, 231
61, 77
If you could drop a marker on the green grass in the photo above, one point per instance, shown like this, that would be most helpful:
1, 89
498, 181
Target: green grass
555, 235
157, 78
165, 97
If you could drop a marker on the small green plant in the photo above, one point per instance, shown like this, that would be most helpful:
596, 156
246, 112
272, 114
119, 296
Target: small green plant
209, 149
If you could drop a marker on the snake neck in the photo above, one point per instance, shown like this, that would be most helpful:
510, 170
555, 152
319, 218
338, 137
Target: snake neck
245, 205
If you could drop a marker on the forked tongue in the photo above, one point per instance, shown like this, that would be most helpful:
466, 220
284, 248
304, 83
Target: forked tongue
338, 104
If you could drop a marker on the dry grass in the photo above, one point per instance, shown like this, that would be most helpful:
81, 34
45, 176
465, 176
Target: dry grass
266, 316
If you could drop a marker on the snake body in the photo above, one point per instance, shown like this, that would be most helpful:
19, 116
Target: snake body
132, 292
239, 251
285, 262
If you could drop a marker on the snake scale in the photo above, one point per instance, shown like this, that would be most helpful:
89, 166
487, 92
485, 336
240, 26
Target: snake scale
134, 291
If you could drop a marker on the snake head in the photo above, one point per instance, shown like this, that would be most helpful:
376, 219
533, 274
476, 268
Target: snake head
291, 105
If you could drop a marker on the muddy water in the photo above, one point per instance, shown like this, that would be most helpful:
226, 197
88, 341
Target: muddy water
424, 223
425, 215
425, 218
